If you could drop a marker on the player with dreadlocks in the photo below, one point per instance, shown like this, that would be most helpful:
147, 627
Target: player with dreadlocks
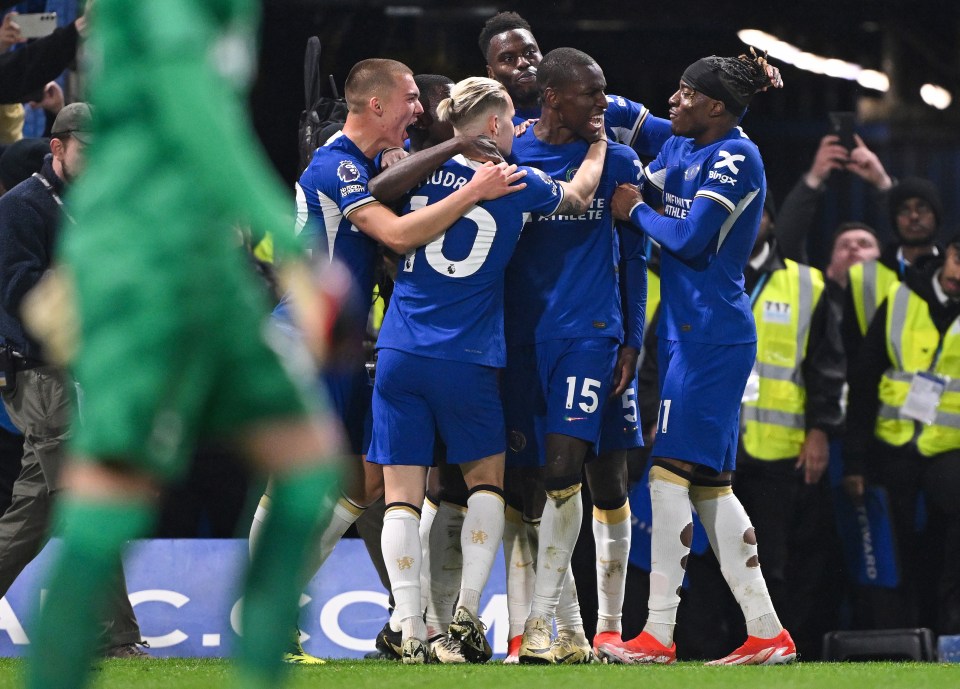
711, 180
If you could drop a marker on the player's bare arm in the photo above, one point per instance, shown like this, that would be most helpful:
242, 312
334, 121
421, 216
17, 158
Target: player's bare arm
625, 369
405, 233
578, 193
403, 175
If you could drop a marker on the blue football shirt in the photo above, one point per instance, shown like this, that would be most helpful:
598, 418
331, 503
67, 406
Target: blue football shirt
562, 282
330, 189
713, 199
448, 298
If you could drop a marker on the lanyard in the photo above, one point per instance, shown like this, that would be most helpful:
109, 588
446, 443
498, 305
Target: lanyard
758, 288
54, 195
936, 355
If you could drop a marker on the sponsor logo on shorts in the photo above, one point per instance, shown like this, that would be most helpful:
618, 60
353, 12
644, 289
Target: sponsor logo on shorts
518, 441
600, 325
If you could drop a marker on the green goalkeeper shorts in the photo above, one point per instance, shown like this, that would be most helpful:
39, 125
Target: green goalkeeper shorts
171, 351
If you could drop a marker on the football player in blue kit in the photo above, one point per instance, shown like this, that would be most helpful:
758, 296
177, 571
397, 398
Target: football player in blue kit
382, 100
564, 329
513, 57
711, 181
440, 350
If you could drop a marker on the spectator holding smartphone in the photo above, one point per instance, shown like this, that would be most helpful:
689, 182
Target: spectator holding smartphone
801, 205
28, 70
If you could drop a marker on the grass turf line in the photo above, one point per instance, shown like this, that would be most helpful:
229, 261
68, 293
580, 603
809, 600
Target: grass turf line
180, 673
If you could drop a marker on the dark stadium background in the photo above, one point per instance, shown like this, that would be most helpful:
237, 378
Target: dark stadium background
643, 48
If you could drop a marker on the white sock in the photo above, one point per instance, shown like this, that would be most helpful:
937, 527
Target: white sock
729, 530
559, 529
446, 568
479, 541
611, 533
259, 517
568, 608
518, 558
342, 516
427, 513
345, 513
669, 548
402, 555
532, 528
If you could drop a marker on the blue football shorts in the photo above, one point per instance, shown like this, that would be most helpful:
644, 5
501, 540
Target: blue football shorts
557, 386
351, 393
701, 387
621, 422
417, 397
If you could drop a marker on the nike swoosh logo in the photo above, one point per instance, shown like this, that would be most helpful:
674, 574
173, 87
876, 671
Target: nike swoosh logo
561, 659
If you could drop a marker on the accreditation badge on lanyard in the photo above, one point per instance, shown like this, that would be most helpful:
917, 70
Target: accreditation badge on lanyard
923, 398
751, 393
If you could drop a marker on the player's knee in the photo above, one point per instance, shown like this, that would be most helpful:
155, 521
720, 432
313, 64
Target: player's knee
488, 488
608, 487
663, 471
698, 493
455, 495
686, 535
562, 488
707, 484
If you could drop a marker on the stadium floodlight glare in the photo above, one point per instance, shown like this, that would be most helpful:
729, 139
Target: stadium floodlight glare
760, 40
810, 62
936, 96
872, 79
841, 70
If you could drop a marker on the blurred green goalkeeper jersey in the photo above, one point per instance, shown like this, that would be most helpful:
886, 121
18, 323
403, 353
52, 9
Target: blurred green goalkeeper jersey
168, 82
173, 342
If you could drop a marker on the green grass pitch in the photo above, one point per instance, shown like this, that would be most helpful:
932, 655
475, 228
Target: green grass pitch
346, 674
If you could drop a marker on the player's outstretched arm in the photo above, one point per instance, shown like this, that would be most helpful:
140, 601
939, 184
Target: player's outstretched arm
578, 193
404, 233
686, 237
403, 175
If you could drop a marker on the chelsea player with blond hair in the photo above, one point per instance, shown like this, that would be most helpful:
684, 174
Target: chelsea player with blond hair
440, 348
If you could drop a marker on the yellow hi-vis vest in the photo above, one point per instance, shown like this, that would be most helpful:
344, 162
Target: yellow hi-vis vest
913, 344
653, 293
774, 425
869, 283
